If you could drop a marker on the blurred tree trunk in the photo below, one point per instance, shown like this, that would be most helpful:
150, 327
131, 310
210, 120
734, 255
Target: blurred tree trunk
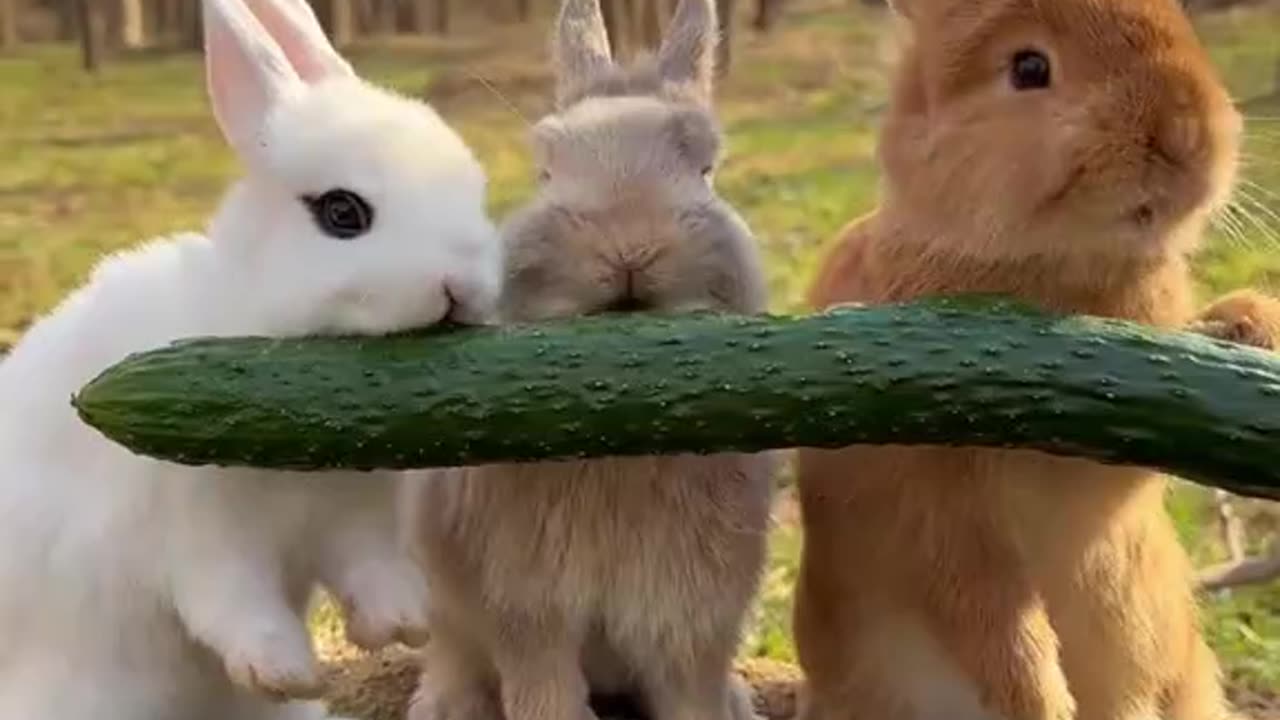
614, 24
337, 19
444, 19
90, 37
767, 13
383, 16
524, 10
67, 20
160, 19
411, 17
8, 23
190, 23
724, 55
129, 31
652, 14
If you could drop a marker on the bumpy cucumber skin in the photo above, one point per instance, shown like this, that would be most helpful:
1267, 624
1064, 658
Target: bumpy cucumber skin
958, 372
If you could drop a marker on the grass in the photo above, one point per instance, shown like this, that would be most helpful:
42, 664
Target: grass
94, 164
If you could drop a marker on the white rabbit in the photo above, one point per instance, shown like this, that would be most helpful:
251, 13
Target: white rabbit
133, 589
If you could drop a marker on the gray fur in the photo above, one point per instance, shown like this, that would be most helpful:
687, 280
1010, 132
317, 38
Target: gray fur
551, 581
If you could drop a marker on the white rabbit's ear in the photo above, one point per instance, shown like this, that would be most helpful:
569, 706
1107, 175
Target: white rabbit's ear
295, 28
247, 73
688, 53
582, 45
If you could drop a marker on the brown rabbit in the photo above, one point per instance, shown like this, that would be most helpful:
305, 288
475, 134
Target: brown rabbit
1068, 152
627, 576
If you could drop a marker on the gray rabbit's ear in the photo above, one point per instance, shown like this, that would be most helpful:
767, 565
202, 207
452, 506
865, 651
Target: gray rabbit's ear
581, 46
688, 54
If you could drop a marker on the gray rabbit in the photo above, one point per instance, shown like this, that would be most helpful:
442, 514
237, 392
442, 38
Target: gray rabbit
553, 582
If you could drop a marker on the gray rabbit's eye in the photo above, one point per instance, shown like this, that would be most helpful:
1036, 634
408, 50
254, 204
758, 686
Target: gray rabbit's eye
340, 214
1030, 70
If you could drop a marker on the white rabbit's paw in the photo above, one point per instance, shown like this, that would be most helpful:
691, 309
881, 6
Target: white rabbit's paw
741, 700
276, 661
388, 605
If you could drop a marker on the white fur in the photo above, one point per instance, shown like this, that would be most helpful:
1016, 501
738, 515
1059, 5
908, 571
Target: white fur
132, 589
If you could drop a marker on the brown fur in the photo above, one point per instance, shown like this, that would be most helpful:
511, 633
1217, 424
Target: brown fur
1246, 317
555, 581
963, 583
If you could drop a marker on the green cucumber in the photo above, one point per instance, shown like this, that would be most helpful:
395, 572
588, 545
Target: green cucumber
959, 372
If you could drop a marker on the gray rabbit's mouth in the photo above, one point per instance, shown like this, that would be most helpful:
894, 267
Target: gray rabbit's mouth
626, 304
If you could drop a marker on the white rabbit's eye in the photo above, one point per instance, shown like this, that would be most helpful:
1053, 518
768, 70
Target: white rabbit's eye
1030, 70
340, 214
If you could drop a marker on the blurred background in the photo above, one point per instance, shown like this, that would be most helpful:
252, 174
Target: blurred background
106, 140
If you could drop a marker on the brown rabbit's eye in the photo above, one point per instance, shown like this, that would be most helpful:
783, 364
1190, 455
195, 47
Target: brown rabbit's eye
1030, 70
340, 214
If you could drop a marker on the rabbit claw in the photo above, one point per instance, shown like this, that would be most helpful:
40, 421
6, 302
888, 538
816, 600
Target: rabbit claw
278, 664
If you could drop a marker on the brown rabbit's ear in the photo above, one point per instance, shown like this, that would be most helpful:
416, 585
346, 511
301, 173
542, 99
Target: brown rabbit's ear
912, 10
902, 7
688, 54
581, 47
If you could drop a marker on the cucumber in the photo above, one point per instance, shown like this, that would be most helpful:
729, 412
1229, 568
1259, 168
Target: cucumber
960, 372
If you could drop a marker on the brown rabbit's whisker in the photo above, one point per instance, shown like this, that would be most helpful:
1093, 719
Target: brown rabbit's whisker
1266, 192
1267, 234
1226, 222
505, 101
1235, 220
1250, 160
1268, 213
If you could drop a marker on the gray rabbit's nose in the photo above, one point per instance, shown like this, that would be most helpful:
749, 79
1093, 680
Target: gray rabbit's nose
629, 297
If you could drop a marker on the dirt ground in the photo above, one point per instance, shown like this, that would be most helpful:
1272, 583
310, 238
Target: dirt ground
378, 687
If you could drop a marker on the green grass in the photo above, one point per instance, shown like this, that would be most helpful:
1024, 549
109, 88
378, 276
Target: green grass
94, 164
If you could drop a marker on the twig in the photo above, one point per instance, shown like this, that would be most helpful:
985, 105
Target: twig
1246, 572
1229, 522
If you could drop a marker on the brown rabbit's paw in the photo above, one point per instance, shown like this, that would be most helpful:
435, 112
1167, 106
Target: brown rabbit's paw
436, 703
276, 662
1245, 317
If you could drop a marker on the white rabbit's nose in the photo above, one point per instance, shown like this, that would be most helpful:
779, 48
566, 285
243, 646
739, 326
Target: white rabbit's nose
469, 303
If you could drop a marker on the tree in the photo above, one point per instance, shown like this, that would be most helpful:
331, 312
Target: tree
191, 25
8, 23
68, 20
444, 19
129, 30
338, 20
724, 55
90, 38
767, 13
614, 24
524, 10
411, 17
652, 14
